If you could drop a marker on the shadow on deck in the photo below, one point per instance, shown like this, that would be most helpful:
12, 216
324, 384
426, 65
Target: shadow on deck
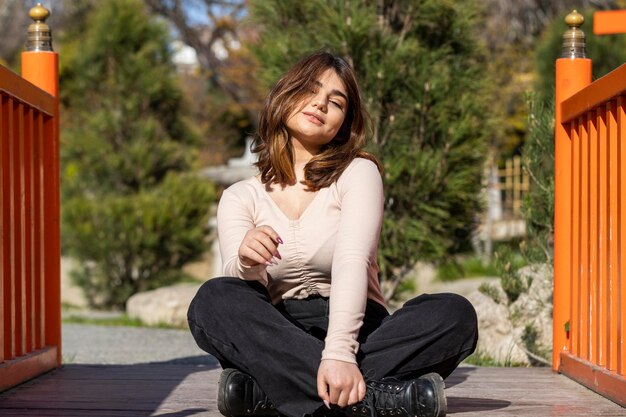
176, 389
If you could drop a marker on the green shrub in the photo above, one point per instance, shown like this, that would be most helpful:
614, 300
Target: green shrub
466, 267
509, 262
132, 213
490, 291
536, 354
131, 243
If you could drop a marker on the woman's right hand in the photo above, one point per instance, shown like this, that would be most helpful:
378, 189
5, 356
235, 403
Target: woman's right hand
259, 246
340, 383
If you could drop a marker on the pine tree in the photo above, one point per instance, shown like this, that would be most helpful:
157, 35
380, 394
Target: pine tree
132, 215
421, 73
538, 157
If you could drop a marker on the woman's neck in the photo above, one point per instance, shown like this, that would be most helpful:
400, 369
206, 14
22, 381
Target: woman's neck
302, 155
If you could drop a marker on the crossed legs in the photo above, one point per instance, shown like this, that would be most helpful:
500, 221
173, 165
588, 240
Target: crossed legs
235, 321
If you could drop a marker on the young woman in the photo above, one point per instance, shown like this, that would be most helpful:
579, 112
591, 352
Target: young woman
299, 323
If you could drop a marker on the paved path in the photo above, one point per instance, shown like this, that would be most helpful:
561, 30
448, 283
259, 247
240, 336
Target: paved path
89, 344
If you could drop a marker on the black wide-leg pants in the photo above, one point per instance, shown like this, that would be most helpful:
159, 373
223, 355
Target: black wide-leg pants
281, 345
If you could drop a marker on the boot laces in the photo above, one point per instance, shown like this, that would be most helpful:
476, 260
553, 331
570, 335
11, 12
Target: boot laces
264, 405
382, 399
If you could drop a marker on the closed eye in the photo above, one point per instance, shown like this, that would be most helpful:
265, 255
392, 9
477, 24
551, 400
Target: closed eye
337, 104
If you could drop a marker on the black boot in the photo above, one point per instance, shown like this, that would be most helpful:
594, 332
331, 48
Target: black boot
238, 394
421, 397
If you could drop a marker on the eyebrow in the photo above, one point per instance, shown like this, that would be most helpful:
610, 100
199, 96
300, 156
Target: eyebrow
333, 92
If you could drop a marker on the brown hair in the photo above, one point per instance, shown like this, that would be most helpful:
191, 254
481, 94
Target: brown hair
272, 142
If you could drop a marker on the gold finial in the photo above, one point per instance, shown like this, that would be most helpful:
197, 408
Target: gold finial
39, 13
39, 33
574, 45
574, 19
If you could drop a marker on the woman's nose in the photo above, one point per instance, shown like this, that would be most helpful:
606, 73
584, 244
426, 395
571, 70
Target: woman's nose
320, 102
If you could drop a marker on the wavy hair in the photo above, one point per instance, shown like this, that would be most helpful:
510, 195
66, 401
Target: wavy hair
273, 143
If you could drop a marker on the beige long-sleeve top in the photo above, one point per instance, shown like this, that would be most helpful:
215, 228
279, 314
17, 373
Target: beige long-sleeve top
330, 250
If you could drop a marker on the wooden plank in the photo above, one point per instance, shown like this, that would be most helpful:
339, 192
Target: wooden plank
26, 367
186, 390
606, 383
522, 392
102, 388
26, 92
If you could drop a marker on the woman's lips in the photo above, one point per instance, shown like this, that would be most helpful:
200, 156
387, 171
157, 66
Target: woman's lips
314, 118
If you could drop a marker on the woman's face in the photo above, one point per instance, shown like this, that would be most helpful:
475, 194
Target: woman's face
318, 118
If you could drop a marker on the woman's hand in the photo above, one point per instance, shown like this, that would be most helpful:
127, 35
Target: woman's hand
340, 383
259, 246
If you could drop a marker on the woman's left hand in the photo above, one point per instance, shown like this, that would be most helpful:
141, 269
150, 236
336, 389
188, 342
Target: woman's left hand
340, 383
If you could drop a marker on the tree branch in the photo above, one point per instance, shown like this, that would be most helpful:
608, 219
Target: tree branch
203, 39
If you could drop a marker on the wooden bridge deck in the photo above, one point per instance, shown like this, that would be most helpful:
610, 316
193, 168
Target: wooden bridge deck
179, 390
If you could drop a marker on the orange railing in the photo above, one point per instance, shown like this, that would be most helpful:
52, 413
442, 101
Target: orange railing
590, 228
30, 327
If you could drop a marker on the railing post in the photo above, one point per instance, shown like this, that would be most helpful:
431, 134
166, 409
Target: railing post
40, 66
573, 72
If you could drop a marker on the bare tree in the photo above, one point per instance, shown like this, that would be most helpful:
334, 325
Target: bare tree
14, 21
523, 20
213, 29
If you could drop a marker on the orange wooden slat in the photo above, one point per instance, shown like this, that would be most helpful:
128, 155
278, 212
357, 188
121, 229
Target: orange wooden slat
597, 93
584, 239
603, 241
39, 246
594, 281
52, 308
29, 251
575, 241
613, 235
11, 278
4, 227
609, 22
20, 228
621, 311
